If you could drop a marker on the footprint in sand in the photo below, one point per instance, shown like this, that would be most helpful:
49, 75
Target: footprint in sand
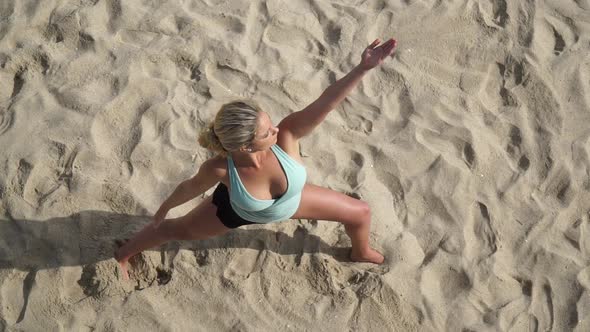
558, 186
496, 16
443, 279
285, 36
500, 12
559, 42
563, 31
362, 122
22, 176
513, 72
21, 64
45, 186
390, 179
469, 155
118, 198
501, 79
115, 131
85, 84
6, 120
542, 305
229, 79
480, 237
352, 174
515, 150
247, 261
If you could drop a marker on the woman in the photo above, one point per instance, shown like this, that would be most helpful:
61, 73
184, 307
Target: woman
261, 177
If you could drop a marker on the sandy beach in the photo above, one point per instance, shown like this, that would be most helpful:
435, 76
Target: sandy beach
471, 145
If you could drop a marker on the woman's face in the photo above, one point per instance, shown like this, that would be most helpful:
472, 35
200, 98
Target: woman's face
266, 133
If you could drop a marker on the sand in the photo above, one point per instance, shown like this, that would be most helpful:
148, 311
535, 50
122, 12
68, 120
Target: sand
471, 145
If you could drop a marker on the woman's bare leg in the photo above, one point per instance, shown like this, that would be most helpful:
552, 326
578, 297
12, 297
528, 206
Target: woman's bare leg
198, 224
325, 204
148, 237
361, 251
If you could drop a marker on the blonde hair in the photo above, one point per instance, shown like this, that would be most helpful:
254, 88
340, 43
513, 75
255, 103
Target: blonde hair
234, 126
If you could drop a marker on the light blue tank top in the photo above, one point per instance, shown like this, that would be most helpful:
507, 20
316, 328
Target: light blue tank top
268, 210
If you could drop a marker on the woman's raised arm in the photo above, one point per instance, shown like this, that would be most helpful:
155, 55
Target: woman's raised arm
300, 124
371, 57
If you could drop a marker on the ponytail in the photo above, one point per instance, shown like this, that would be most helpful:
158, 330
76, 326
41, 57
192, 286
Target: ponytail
210, 141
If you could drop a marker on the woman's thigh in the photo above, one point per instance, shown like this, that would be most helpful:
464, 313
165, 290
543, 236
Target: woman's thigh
325, 204
201, 222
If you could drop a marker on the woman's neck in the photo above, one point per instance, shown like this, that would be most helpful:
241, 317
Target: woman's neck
250, 159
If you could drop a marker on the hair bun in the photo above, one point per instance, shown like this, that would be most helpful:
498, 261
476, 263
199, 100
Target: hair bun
212, 132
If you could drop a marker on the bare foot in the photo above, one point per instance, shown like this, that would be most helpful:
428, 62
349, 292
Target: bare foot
122, 262
371, 256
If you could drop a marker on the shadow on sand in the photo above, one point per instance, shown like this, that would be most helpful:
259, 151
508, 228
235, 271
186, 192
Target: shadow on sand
89, 237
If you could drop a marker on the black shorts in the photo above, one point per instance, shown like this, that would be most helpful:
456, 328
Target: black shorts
225, 213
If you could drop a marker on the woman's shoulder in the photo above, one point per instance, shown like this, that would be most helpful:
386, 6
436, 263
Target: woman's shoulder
290, 145
218, 165
219, 161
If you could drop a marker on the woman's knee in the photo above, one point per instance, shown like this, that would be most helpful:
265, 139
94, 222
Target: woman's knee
173, 229
366, 210
361, 217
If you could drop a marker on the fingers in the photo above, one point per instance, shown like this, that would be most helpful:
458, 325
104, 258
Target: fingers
387, 47
390, 45
373, 44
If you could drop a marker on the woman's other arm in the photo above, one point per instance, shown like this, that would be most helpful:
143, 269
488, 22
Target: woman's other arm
206, 177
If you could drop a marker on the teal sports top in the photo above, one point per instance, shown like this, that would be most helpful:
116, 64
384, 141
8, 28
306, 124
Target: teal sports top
268, 210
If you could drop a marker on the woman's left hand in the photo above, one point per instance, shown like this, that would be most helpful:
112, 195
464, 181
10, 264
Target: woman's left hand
374, 55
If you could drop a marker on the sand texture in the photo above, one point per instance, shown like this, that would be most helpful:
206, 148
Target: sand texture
471, 145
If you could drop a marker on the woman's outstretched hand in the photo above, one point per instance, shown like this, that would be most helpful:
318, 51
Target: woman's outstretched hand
374, 55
